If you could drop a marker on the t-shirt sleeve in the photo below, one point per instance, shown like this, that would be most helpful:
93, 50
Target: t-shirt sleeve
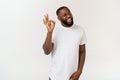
83, 38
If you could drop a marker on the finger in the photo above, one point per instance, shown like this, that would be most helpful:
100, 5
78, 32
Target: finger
71, 78
49, 23
46, 17
52, 21
44, 21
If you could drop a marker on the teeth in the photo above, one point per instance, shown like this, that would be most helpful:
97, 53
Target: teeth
69, 20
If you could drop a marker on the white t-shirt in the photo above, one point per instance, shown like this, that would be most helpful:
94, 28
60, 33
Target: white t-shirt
65, 53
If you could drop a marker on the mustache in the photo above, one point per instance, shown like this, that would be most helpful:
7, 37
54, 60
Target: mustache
66, 23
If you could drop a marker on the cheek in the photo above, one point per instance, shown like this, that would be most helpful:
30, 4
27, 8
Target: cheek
63, 19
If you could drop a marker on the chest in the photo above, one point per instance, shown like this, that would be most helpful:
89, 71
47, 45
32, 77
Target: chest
68, 37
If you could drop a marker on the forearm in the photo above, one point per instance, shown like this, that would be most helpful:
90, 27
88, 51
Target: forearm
81, 62
76, 75
47, 46
82, 54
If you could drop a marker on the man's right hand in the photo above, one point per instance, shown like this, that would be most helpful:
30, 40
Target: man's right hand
50, 24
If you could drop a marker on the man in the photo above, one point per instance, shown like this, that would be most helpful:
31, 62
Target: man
66, 44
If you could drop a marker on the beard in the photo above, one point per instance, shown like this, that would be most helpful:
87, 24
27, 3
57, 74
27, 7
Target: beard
66, 23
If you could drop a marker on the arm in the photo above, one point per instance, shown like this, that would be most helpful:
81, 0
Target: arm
82, 53
48, 45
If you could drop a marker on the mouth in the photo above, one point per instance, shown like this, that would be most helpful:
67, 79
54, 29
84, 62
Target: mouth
69, 20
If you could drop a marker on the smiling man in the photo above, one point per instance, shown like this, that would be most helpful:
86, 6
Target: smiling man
66, 44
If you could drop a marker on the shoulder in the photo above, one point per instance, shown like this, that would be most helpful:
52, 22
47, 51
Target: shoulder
56, 31
79, 27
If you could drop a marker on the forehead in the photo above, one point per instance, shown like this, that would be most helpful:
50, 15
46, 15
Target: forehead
64, 11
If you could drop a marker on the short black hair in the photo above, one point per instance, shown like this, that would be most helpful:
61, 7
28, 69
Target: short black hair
58, 10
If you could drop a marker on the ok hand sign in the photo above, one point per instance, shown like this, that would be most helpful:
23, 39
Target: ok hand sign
50, 24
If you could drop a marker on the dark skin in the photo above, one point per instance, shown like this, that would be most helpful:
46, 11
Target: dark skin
66, 16
50, 24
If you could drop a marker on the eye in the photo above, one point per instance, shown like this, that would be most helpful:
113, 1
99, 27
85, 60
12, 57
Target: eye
64, 16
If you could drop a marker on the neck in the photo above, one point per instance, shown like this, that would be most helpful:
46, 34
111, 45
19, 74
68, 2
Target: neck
66, 26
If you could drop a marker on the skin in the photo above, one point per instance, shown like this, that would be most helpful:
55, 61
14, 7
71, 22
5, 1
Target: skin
50, 24
63, 16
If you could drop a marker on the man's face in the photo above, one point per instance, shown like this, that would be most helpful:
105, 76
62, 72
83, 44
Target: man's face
65, 17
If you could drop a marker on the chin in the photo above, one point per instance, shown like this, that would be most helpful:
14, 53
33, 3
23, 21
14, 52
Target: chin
67, 24
70, 24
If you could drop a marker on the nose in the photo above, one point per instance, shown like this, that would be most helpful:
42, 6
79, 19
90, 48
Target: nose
68, 15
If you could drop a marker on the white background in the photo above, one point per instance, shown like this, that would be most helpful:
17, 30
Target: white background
22, 34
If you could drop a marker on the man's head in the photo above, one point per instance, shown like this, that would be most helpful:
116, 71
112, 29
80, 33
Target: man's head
65, 16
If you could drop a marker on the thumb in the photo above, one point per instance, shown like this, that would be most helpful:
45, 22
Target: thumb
71, 78
52, 22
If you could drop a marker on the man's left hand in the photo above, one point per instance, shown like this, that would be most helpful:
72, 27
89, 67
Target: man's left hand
75, 76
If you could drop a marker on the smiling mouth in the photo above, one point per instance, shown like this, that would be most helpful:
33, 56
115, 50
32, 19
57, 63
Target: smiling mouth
69, 20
